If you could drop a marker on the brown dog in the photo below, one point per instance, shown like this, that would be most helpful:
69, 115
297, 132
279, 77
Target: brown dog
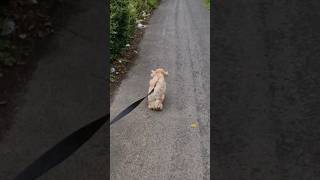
155, 99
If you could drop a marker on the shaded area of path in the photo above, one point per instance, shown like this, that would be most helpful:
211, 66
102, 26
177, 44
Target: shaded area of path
63, 94
266, 90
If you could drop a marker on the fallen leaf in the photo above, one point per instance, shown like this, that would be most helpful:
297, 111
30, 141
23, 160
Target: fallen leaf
194, 125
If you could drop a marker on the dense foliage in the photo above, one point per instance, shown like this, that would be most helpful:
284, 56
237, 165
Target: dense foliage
123, 17
207, 3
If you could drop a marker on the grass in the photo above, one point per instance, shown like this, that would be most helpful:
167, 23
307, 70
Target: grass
207, 3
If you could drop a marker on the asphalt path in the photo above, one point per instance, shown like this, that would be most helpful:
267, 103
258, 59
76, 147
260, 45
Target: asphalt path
162, 145
62, 95
265, 90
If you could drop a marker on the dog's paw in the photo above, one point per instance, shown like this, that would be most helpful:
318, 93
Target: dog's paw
158, 106
150, 105
155, 105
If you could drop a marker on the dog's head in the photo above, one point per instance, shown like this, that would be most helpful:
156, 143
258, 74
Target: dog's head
159, 71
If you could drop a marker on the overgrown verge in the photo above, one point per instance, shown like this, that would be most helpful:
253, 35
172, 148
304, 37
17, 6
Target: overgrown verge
21, 22
207, 3
124, 18
25, 26
128, 19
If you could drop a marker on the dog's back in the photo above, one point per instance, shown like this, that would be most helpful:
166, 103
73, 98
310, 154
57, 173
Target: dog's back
155, 99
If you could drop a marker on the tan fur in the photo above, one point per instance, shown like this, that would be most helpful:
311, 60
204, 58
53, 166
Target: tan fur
155, 99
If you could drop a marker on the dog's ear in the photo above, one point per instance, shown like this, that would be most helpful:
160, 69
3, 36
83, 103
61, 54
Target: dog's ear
152, 73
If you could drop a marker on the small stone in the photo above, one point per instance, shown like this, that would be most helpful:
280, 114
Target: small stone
144, 14
139, 21
141, 26
41, 34
34, 1
8, 27
113, 70
21, 63
22, 36
124, 60
127, 45
30, 27
48, 24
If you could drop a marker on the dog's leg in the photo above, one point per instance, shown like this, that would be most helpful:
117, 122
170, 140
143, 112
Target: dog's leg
162, 98
149, 105
152, 105
151, 100
158, 104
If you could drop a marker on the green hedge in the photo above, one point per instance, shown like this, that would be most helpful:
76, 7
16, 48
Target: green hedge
123, 16
207, 2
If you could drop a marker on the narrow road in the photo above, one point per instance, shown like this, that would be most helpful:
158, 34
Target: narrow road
162, 145
63, 95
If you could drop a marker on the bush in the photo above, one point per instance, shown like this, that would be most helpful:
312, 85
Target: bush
207, 3
123, 16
